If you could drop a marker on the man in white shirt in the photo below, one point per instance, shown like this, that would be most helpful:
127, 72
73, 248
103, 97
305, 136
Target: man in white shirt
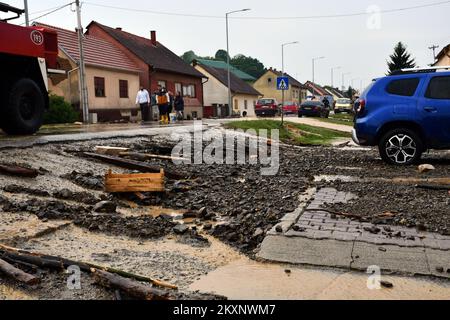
143, 99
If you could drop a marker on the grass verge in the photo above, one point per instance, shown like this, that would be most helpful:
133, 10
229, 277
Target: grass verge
343, 119
292, 133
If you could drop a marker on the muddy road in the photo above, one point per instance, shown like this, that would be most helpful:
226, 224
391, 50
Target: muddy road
217, 215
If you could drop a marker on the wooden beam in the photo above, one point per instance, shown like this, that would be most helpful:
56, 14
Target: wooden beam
126, 183
135, 165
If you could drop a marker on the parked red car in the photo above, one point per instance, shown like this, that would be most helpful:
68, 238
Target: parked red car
267, 108
290, 107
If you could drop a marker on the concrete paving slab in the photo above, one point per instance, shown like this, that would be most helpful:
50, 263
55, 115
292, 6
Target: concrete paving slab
296, 250
439, 262
390, 258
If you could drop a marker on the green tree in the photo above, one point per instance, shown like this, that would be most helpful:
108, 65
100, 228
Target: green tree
249, 65
400, 59
222, 55
189, 56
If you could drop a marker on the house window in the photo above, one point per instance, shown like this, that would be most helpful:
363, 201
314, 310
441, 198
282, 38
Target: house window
236, 104
99, 84
189, 90
123, 88
245, 104
162, 83
178, 88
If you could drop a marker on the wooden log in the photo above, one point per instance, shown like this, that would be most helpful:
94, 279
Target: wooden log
433, 187
146, 156
18, 274
127, 183
132, 288
111, 151
51, 262
18, 171
135, 165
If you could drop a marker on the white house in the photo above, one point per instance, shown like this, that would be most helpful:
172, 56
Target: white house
215, 93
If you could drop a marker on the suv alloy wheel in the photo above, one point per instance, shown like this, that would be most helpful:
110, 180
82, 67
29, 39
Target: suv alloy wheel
401, 147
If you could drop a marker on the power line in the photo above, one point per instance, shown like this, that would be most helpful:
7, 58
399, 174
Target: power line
53, 11
344, 15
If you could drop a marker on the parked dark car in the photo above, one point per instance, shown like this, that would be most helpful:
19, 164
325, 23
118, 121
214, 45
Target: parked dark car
313, 109
405, 114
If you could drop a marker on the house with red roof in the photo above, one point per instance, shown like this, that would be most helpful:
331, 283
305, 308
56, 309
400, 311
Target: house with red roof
112, 78
158, 65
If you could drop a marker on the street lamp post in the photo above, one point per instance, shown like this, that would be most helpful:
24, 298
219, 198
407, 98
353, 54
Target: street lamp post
343, 79
230, 99
332, 75
283, 74
314, 67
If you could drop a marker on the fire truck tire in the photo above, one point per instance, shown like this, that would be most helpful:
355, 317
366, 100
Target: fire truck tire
24, 112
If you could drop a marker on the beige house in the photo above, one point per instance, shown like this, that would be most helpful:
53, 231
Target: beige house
112, 79
215, 93
267, 85
443, 58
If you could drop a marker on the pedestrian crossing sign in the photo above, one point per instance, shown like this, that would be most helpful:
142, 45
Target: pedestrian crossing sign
283, 83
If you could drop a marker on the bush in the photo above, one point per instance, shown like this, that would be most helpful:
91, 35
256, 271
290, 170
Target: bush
60, 111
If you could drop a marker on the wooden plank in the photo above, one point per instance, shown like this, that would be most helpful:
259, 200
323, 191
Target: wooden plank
111, 151
151, 182
146, 156
135, 165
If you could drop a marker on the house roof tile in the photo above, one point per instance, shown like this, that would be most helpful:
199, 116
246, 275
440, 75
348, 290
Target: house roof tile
223, 65
159, 57
237, 85
98, 52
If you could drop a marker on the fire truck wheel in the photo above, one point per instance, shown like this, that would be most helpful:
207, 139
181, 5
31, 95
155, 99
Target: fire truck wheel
24, 113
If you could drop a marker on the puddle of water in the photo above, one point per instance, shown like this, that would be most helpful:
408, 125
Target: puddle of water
245, 279
332, 178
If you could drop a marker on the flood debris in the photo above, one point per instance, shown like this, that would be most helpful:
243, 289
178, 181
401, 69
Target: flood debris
146, 156
132, 288
120, 279
18, 171
17, 274
135, 165
111, 151
125, 183
86, 180
424, 168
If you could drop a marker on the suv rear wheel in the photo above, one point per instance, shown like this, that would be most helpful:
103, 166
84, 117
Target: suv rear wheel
401, 147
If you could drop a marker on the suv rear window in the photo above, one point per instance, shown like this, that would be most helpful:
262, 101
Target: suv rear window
403, 87
439, 88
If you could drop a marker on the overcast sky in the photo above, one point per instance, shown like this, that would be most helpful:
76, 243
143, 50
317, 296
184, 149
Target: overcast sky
347, 42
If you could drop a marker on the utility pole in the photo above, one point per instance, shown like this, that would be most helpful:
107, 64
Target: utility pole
84, 101
434, 47
314, 68
230, 97
27, 15
283, 74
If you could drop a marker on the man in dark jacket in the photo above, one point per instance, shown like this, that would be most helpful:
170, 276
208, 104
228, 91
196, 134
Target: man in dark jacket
179, 106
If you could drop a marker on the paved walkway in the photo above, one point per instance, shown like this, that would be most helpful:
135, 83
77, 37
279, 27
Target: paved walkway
315, 237
317, 123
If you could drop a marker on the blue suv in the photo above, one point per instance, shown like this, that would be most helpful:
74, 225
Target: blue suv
405, 114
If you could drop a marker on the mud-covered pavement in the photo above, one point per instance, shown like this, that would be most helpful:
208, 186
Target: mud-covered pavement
215, 216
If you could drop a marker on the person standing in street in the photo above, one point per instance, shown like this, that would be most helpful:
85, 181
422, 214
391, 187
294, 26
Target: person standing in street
143, 100
163, 100
179, 106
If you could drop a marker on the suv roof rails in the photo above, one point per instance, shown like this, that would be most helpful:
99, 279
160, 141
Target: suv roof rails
7, 8
419, 70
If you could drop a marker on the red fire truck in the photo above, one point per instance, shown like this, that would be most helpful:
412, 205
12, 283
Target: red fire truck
27, 55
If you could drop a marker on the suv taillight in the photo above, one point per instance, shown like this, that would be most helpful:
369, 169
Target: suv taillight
360, 106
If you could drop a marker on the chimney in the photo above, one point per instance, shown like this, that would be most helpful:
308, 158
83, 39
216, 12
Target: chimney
119, 28
153, 37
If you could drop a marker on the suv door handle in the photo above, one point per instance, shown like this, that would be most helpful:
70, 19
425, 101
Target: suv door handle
430, 109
